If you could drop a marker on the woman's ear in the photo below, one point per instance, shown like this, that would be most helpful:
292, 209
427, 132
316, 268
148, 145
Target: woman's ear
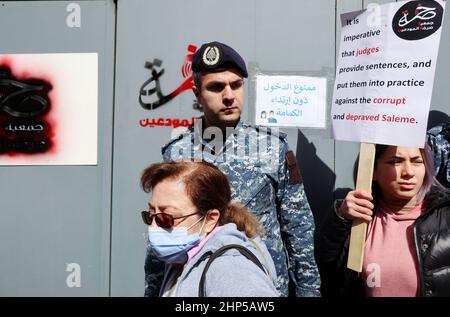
212, 219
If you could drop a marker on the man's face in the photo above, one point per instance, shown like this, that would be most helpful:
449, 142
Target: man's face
222, 97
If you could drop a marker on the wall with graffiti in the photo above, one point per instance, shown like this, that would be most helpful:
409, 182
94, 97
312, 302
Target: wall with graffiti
56, 117
90, 92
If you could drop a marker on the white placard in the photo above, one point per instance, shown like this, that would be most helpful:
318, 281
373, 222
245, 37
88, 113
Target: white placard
385, 72
291, 101
68, 127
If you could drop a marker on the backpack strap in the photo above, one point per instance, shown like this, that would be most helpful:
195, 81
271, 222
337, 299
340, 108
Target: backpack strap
244, 251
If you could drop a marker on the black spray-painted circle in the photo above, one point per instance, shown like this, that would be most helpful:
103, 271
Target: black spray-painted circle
416, 20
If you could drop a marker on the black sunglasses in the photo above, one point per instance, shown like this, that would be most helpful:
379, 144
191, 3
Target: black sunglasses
163, 220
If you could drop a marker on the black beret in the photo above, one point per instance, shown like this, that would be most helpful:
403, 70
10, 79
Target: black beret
216, 56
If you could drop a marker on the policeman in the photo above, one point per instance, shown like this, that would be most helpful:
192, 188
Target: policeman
262, 171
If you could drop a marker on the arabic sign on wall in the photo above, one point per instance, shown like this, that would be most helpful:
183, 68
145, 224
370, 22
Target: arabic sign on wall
48, 109
290, 101
385, 73
152, 95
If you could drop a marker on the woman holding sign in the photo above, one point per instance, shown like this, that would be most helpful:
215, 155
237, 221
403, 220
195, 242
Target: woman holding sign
407, 249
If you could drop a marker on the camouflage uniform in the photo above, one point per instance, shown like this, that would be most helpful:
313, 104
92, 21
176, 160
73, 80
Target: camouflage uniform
438, 138
263, 176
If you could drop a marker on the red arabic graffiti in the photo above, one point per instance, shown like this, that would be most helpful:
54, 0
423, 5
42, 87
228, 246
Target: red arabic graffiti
166, 122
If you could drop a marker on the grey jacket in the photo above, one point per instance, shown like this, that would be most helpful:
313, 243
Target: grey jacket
230, 275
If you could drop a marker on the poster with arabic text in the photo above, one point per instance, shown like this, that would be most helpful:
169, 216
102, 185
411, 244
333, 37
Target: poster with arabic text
48, 109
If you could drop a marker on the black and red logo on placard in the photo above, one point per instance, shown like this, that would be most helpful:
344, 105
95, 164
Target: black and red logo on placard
24, 104
416, 20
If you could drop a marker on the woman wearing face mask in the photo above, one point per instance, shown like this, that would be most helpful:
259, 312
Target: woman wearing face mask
190, 216
407, 249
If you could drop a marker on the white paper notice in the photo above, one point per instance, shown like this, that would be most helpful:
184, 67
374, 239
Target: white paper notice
291, 101
385, 72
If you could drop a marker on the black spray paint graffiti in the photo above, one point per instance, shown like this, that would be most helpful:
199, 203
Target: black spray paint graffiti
22, 99
147, 95
23, 106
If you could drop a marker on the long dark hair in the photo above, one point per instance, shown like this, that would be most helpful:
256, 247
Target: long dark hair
207, 187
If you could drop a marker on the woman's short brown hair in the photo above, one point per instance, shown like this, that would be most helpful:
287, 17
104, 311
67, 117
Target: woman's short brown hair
208, 189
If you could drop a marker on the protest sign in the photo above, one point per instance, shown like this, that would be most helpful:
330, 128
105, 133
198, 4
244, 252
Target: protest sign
385, 72
384, 80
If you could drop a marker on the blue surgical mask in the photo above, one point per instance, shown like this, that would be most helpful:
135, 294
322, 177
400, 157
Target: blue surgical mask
171, 246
